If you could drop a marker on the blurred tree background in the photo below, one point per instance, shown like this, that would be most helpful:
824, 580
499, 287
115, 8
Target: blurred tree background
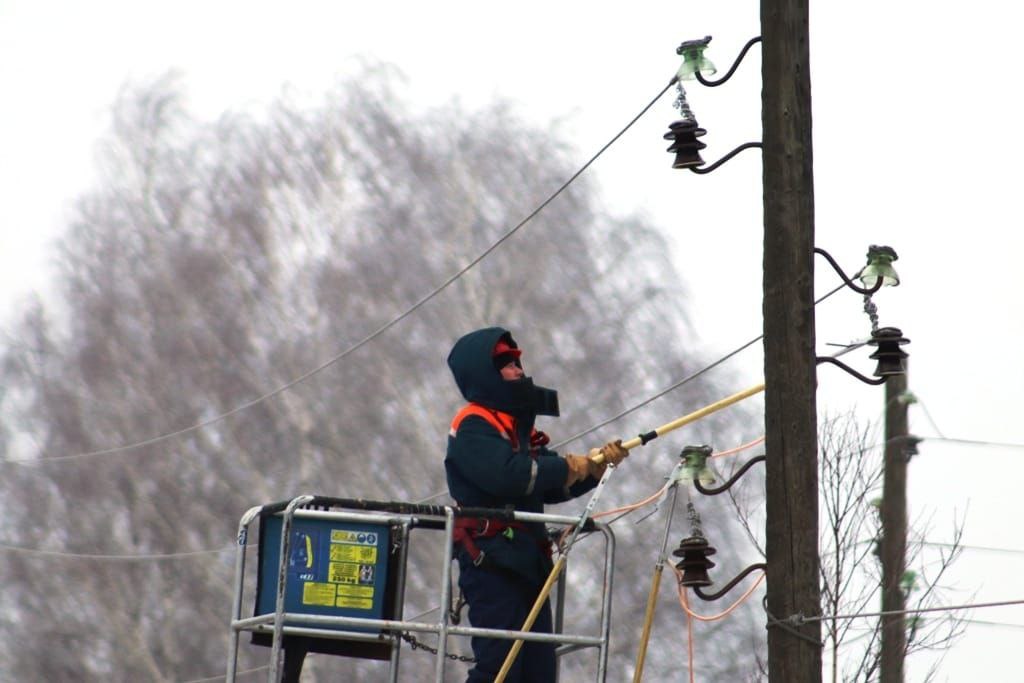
217, 262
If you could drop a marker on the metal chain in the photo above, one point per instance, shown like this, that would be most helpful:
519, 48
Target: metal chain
417, 645
872, 310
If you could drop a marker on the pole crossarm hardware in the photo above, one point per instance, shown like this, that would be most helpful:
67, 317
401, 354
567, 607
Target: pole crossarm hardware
732, 69
727, 157
714, 491
647, 437
729, 586
866, 291
838, 363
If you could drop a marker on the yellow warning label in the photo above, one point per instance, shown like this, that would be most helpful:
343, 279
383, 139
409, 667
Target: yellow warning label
360, 554
343, 572
356, 591
354, 537
355, 603
318, 593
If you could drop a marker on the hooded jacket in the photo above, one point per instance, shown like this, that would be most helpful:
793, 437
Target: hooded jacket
486, 469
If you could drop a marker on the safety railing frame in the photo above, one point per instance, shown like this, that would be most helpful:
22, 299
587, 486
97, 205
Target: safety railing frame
277, 623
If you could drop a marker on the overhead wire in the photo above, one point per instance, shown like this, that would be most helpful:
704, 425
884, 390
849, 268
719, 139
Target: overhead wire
373, 335
799, 618
724, 613
973, 442
990, 549
680, 383
144, 557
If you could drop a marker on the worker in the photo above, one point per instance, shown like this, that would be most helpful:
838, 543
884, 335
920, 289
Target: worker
497, 459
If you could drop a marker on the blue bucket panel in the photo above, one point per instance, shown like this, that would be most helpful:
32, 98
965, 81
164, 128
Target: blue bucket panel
334, 568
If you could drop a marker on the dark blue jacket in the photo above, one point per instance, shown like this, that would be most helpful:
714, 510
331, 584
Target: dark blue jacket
483, 468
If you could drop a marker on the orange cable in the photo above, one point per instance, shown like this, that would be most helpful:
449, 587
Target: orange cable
744, 447
689, 638
682, 599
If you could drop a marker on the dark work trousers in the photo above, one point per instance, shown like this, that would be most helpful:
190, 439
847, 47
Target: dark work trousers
501, 600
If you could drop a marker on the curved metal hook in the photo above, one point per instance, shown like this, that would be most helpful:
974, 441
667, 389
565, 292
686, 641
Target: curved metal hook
866, 291
730, 155
724, 487
732, 69
729, 586
844, 366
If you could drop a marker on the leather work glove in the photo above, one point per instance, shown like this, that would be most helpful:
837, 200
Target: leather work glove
579, 468
612, 452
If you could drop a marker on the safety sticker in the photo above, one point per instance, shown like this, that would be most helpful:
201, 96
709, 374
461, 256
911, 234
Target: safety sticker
351, 573
355, 591
353, 537
354, 603
318, 593
353, 553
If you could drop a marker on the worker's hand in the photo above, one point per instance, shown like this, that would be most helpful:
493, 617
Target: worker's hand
579, 468
612, 453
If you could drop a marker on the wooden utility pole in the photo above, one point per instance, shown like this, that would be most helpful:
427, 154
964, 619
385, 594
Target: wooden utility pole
894, 530
794, 653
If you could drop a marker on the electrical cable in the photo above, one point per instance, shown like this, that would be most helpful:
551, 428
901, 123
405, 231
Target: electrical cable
800, 619
973, 442
373, 335
724, 613
689, 637
678, 384
738, 449
990, 549
928, 416
999, 624
107, 557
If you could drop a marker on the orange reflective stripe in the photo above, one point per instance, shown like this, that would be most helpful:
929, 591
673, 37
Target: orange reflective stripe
500, 421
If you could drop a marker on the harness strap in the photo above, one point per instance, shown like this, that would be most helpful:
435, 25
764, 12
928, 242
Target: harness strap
468, 529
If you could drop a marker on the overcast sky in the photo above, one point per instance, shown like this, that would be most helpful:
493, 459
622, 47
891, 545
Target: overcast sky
917, 145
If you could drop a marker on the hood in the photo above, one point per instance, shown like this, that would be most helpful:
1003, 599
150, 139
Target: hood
479, 381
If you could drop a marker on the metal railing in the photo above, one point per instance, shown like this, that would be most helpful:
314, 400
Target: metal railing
403, 517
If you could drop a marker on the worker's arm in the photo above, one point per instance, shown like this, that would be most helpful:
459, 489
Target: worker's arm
564, 493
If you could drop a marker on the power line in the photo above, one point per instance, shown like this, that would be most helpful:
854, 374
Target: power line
971, 547
146, 557
999, 624
974, 442
373, 335
678, 384
798, 619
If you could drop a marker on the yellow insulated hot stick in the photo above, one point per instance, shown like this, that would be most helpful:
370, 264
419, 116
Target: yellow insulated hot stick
599, 458
685, 420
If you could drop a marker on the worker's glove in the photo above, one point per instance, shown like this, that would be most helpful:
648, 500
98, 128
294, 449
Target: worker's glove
612, 453
579, 468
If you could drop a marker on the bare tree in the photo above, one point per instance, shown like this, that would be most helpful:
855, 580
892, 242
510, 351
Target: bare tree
851, 576
216, 264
